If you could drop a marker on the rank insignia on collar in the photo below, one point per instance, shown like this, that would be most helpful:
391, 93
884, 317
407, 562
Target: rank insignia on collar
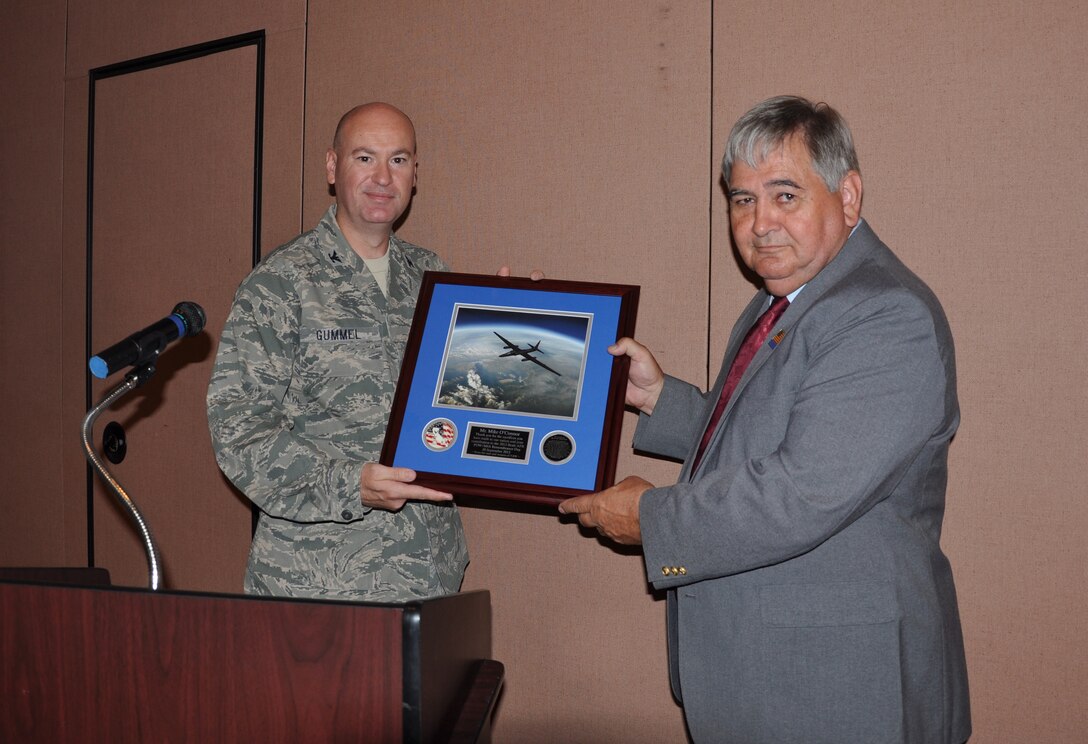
334, 256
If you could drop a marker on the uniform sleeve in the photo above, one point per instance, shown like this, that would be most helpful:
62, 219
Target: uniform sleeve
872, 394
284, 474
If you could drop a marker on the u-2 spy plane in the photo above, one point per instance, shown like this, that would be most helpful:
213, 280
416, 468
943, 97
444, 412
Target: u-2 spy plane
526, 354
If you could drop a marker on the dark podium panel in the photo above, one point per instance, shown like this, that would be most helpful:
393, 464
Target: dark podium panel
82, 664
50, 575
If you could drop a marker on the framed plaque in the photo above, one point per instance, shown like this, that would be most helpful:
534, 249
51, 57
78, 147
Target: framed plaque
507, 388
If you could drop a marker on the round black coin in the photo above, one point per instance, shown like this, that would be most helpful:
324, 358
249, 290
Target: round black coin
557, 447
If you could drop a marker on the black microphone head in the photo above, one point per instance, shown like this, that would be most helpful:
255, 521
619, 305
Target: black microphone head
192, 315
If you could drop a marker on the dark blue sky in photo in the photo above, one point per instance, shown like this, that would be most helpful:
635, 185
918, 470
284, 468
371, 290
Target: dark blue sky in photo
571, 326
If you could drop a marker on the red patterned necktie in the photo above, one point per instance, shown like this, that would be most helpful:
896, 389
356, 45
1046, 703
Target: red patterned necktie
757, 334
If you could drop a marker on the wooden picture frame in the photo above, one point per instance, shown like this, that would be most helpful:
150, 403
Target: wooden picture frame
507, 389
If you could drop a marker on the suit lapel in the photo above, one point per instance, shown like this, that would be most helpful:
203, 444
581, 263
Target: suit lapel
852, 254
736, 338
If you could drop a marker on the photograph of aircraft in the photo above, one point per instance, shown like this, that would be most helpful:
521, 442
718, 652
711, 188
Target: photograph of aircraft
526, 354
478, 366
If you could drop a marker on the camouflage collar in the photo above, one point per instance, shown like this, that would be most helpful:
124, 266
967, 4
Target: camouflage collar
339, 257
339, 252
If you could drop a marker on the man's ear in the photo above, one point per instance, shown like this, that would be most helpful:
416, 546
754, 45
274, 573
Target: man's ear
330, 166
850, 190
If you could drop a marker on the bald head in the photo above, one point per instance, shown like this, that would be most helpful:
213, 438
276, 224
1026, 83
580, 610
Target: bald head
374, 113
371, 167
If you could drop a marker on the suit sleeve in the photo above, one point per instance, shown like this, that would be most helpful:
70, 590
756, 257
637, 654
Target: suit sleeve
806, 454
676, 421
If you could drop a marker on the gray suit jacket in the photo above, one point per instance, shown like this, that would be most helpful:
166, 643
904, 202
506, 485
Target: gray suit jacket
808, 597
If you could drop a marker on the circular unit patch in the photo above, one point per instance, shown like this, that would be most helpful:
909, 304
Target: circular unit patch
439, 435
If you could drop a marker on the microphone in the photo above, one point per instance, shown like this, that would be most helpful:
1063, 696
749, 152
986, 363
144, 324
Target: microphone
141, 347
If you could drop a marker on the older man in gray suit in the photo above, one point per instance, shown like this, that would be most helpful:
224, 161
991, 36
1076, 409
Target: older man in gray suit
808, 597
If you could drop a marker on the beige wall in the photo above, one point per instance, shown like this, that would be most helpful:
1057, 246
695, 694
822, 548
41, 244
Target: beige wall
177, 170
584, 138
31, 132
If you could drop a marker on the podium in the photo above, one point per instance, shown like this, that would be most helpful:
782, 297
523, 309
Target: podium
82, 664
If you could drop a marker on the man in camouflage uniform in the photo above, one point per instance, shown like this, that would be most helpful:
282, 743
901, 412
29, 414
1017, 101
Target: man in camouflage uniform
303, 384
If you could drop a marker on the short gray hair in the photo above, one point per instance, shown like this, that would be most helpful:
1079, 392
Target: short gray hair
769, 124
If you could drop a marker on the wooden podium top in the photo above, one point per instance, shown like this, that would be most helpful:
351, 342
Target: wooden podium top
132, 665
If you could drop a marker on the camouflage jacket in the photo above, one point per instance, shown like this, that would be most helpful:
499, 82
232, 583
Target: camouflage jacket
298, 403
